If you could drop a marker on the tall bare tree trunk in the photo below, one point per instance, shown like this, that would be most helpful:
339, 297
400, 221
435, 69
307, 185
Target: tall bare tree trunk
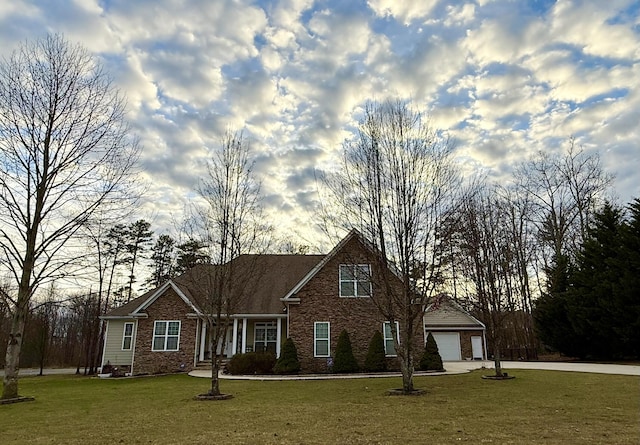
12, 358
406, 368
215, 362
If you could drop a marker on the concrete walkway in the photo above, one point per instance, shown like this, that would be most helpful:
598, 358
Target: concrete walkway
451, 368
460, 367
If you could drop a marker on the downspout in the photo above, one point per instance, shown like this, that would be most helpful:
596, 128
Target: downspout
134, 341
196, 354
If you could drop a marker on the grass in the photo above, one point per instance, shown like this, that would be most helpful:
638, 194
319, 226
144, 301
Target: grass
537, 407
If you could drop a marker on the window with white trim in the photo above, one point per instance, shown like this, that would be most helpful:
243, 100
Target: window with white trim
265, 337
321, 337
127, 336
389, 346
355, 280
166, 335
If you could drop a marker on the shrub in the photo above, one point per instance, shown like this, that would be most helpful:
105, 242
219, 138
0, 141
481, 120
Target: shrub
251, 363
344, 361
431, 360
288, 362
375, 360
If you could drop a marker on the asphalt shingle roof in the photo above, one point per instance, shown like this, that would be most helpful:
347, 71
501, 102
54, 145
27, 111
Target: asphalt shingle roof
261, 281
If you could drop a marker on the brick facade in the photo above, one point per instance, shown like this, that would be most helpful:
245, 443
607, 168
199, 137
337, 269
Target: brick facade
320, 301
465, 343
317, 300
169, 307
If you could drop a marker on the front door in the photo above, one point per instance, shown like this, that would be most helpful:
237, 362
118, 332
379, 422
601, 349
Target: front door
265, 337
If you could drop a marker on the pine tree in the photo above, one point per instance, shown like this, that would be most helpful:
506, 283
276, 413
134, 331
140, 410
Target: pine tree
288, 362
431, 360
627, 290
551, 313
138, 238
344, 360
163, 260
592, 301
375, 360
190, 254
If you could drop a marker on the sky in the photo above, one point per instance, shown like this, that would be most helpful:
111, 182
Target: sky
502, 78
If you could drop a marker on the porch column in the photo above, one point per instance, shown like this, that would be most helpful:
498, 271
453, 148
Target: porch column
278, 336
234, 345
203, 340
244, 335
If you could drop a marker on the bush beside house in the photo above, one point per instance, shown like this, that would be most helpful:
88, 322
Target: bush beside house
344, 360
375, 360
288, 362
431, 360
252, 363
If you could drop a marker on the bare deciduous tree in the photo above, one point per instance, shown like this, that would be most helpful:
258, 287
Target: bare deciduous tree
488, 256
231, 224
397, 184
65, 152
564, 191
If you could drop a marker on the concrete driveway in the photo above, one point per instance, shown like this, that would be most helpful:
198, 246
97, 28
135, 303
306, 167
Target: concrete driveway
597, 368
460, 367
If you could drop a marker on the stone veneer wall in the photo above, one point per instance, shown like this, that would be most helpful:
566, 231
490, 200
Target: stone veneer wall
320, 301
167, 307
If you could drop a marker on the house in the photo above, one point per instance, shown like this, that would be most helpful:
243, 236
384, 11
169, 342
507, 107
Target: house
310, 298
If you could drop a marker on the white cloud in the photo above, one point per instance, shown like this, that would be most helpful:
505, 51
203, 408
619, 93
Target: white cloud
502, 77
460, 15
586, 24
404, 11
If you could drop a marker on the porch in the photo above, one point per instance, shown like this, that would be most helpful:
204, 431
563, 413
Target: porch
248, 333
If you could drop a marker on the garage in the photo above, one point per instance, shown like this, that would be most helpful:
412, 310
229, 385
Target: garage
448, 345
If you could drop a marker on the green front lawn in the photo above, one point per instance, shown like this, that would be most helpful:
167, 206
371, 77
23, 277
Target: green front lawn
537, 407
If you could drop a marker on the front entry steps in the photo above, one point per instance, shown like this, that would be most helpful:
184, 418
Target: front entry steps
205, 365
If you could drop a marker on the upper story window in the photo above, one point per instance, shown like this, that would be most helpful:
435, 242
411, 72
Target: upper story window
127, 337
355, 280
166, 336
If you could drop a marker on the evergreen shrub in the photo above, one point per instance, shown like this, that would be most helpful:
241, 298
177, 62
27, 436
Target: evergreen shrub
252, 363
344, 361
431, 360
288, 362
375, 360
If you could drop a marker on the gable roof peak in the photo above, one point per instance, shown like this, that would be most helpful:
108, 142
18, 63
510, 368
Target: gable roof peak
352, 233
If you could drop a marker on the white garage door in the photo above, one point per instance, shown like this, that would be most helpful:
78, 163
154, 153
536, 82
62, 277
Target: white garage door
448, 345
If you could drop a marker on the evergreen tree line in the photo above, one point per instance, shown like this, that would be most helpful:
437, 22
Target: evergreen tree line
591, 306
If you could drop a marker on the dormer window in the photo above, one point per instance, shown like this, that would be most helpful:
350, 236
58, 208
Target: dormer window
355, 280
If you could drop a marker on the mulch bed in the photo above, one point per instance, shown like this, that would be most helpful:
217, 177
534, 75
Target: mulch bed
206, 396
16, 400
400, 392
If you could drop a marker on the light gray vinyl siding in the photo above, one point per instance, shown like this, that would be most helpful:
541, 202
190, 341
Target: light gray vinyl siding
113, 352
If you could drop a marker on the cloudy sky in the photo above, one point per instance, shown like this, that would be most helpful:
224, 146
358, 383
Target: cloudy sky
505, 78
